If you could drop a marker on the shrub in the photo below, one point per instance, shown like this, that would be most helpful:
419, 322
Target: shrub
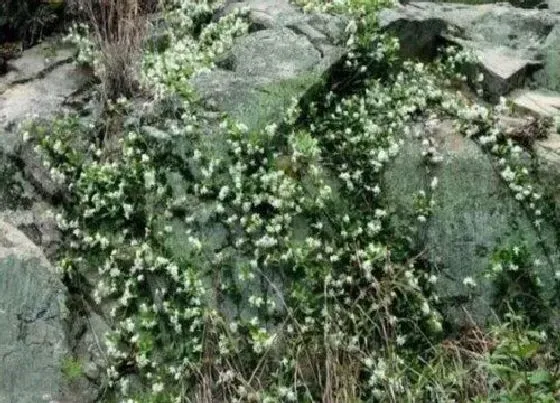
28, 20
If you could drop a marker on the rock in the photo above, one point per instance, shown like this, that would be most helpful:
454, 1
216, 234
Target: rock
287, 54
290, 54
37, 223
35, 62
16, 192
35, 88
549, 76
417, 32
89, 349
553, 5
510, 42
271, 13
548, 165
537, 102
32, 339
40, 97
503, 71
474, 214
34, 342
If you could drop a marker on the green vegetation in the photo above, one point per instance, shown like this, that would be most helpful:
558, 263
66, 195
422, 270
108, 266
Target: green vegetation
260, 263
72, 369
28, 20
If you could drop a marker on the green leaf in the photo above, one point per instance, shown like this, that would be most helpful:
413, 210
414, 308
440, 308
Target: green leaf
539, 376
528, 350
501, 370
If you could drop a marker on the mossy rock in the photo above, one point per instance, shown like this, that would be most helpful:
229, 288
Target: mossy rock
474, 215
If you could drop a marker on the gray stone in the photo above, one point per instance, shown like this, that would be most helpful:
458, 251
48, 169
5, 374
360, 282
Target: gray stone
89, 349
548, 157
35, 62
538, 103
41, 97
37, 223
474, 213
549, 76
32, 339
504, 70
288, 55
511, 42
35, 88
417, 32
553, 5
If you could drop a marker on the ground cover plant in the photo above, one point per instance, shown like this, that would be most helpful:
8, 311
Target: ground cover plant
265, 264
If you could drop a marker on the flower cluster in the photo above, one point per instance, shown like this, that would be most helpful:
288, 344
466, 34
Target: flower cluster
190, 52
79, 36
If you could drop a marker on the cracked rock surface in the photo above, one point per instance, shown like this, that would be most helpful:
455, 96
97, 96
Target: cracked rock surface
37, 85
34, 335
285, 54
32, 341
512, 43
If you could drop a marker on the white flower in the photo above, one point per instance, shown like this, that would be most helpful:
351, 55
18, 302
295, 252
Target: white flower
224, 191
291, 396
382, 156
469, 282
271, 129
508, 174
425, 308
157, 387
128, 208
149, 179
434, 183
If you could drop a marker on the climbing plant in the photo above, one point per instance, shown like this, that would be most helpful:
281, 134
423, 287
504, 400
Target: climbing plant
264, 264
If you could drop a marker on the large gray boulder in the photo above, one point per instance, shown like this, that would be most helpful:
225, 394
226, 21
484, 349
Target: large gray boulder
286, 54
511, 43
474, 214
544, 104
538, 103
32, 338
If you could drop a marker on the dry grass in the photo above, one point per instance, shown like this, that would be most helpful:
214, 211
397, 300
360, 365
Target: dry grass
118, 27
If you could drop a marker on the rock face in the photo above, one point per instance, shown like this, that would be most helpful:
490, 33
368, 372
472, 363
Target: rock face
35, 340
32, 338
288, 54
548, 156
474, 215
37, 84
544, 104
553, 5
538, 103
512, 43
